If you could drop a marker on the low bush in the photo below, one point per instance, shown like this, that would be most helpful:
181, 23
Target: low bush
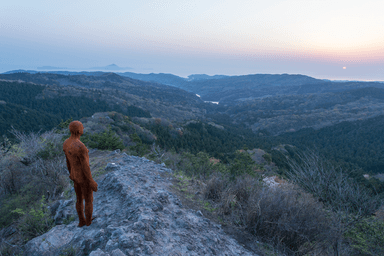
106, 140
367, 237
215, 187
288, 217
34, 168
348, 202
139, 148
35, 222
48, 177
242, 164
285, 216
12, 175
11, 202
236, 195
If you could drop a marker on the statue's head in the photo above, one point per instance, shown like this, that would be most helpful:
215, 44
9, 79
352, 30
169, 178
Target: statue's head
76, 128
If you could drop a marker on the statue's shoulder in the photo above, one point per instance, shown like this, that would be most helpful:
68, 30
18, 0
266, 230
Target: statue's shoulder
74, 147
66, 144
79, 146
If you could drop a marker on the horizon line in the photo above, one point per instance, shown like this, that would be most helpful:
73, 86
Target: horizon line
122, 71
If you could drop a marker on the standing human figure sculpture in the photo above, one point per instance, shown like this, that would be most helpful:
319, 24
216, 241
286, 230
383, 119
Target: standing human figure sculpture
77, 157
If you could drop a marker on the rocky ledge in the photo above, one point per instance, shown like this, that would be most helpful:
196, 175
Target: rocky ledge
135, 215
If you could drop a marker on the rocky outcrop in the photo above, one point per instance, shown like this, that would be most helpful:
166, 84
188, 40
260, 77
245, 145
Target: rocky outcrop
135, 215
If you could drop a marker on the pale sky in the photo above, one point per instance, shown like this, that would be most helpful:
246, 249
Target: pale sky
311, 37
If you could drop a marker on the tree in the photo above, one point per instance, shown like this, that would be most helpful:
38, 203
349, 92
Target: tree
139, 148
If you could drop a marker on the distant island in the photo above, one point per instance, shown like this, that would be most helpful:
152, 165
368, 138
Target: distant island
111, 67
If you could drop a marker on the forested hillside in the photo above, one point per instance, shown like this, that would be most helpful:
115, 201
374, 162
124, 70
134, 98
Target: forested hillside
158, 99
355, 143
289, 113
24, 119
359, 143
24, 106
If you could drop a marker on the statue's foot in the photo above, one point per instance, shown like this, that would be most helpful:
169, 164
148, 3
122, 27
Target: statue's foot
81, 223
89, 223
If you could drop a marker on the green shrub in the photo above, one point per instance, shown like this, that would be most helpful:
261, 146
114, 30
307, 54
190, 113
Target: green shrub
106, 140
367, 237
12, 202
199, 165
50, 150
242, 164
35, 222
5, 145
65, 124
267, 158
139, 148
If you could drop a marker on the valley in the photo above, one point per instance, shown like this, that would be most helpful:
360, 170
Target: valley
298, 110
260, 124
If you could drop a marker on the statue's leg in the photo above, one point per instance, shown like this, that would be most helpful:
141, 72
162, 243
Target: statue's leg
79, 204
88, 196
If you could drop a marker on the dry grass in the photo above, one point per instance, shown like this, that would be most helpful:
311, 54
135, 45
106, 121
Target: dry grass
290, 219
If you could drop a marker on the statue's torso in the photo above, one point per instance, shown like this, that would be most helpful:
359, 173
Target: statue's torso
75, 150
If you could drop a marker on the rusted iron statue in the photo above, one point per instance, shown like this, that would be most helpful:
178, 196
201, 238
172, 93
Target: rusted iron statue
77, 157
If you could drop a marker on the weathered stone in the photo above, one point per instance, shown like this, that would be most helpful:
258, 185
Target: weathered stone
98, 252
112, 167
62, 213
117, 151
136, 214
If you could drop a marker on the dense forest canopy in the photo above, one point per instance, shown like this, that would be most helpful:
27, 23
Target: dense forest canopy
22, 108
357, 145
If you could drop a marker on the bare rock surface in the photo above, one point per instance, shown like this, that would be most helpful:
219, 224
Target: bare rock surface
135, 215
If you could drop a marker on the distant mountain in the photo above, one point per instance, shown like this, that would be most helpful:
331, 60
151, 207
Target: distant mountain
236, 89
219, 87
232, 90
112, 67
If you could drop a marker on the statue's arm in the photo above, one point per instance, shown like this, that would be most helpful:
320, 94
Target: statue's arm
85, 166
84, 160
68, 165
66, 158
